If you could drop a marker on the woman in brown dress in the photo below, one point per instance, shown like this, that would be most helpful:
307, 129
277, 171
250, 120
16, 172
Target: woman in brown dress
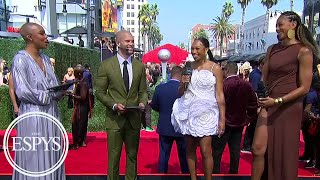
287, 75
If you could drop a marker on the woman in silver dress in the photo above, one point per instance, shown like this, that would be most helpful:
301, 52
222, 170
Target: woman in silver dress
32, 75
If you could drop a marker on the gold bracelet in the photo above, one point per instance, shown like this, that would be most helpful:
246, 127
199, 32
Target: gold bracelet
280, 100
276, 101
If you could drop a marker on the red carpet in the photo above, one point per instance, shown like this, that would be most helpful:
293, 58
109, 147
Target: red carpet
93, 158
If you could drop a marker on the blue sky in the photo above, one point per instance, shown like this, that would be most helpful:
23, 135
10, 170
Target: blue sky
177, 17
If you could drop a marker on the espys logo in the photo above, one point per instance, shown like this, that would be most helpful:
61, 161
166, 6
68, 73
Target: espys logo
30, 144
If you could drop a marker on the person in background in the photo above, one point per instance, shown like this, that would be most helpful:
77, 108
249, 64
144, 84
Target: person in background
81, 42
147, 110
96, 43
149, 77
53, 63
162, 101
1, 71
245, 70
69, 78
88, 78
156, 72
67, 40
82, 109
308, 146
6, 74
241, 109
312, 118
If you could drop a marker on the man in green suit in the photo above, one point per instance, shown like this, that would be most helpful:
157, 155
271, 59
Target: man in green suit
121, 83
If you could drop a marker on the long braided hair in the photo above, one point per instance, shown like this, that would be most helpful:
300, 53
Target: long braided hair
302, 33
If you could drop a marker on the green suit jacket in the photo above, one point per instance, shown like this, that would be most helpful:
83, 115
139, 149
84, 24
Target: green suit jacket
110, 90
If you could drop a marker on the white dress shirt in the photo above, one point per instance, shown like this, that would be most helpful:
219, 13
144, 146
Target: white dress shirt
129, 67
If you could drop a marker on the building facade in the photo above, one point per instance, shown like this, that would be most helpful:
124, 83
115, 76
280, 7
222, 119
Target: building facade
257, 37
230, 44
49, 13
208, 28
38, 11
233, 45
130, 20
4, 16
74, 16
311, 18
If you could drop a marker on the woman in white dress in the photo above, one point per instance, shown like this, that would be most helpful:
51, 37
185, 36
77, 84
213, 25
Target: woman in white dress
200, 112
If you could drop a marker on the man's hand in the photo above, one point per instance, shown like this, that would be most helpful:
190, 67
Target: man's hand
16, 110
119, 108
266, 102
141, 105
221, 127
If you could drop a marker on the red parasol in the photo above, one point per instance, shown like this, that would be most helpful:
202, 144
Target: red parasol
178, 55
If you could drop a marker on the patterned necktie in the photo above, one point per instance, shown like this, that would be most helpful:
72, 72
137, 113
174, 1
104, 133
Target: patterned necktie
126, 75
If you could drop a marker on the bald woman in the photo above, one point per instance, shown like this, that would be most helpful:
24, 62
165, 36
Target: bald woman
32, 75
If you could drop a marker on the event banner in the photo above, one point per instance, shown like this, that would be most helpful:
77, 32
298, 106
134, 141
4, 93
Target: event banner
109, 15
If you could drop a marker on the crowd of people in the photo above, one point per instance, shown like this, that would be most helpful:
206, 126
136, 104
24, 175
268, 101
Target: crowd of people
271, 98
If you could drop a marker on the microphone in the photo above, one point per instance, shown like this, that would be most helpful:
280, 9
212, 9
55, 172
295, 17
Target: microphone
187, 72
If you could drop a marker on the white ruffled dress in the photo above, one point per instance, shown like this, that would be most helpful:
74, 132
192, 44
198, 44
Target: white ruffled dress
196, 113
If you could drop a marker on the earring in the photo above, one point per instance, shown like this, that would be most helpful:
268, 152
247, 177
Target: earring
291, 34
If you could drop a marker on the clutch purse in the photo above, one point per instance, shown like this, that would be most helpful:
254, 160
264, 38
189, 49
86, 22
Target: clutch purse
62, 87
134, 108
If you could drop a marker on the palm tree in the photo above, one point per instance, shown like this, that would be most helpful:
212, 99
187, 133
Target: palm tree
222, 28
154, 12
147, 16
155, 36
269, 4
227, 10
182, 45
144, 19
201, 34
244, 4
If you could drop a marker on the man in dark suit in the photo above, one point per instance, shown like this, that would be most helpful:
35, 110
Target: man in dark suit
241, 108
162, 101
121, 83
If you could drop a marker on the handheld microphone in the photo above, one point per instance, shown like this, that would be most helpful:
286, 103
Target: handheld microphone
187, 72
